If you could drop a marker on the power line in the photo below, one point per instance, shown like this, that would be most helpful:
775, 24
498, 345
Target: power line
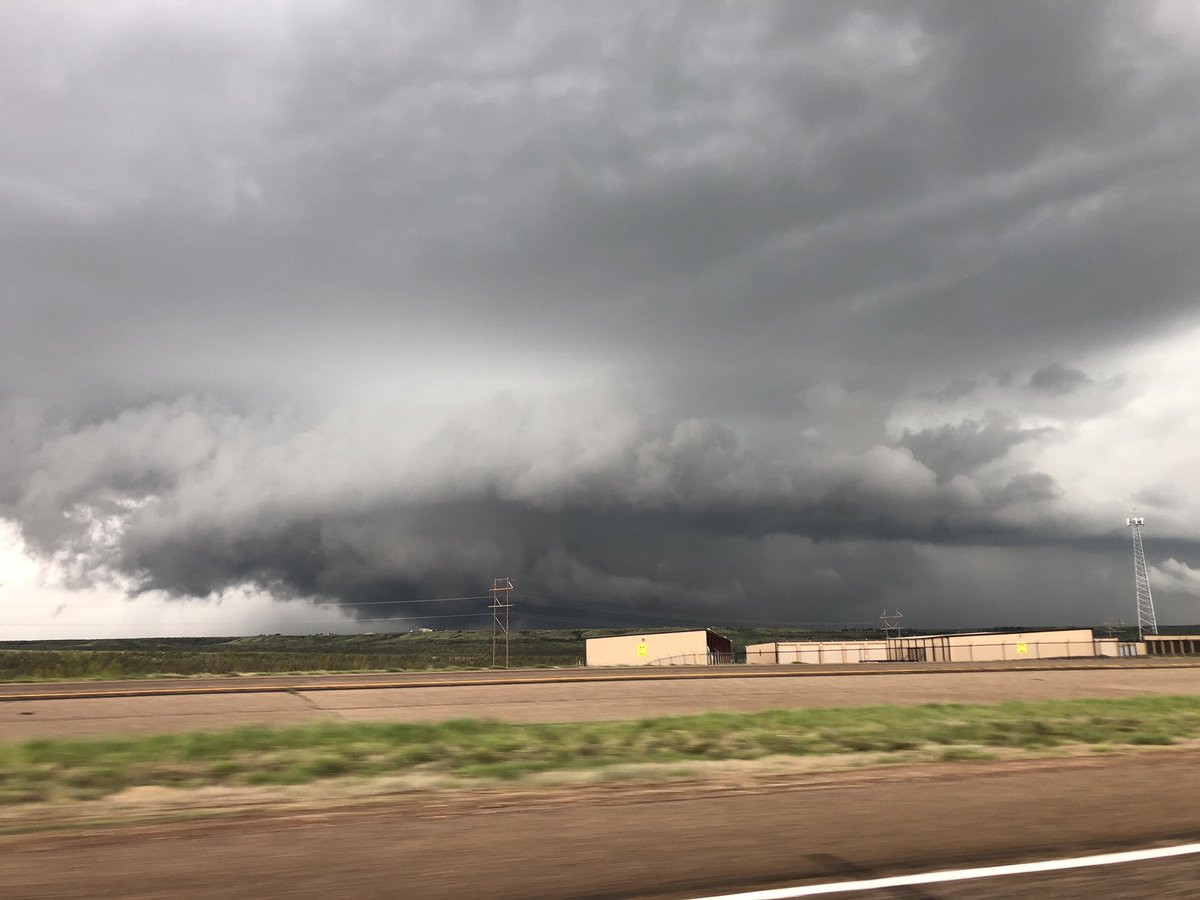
318, 604
290, 622
617, 609
396, 602
628, 616
680, 615
681, 618
591, 622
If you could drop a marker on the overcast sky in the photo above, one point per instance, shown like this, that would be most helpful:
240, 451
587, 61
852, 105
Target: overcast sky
695, 312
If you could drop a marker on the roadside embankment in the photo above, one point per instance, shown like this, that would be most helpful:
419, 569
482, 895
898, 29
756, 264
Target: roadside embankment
41, 771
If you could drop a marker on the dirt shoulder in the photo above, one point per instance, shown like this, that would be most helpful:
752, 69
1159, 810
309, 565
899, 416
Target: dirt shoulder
575, 702
726, 830
440, 795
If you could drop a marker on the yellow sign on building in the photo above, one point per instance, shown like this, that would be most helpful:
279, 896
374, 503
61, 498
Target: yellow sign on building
641, 650
1022, 647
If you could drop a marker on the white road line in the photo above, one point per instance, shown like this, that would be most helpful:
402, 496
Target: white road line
1050, 865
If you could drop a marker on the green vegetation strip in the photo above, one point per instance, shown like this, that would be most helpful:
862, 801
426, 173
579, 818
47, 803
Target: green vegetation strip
43, 770
32, 661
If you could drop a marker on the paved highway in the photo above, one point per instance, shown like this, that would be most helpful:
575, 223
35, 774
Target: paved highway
1170, 870
528, 699
270, 683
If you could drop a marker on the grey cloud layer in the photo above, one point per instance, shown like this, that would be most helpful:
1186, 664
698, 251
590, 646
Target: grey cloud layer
191, 498
758, 228
910, 183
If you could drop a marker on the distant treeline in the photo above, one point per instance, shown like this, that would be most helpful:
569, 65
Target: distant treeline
139, 657
43, 665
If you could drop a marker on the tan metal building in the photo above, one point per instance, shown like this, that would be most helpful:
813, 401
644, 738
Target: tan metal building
994, 647
1172, 644
670, 648
816, 652
1111, 646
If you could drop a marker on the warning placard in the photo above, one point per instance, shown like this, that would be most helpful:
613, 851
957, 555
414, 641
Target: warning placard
1022, 647
641, 648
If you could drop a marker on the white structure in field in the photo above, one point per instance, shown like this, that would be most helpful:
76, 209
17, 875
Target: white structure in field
987, 646
943, 648
1141, 580
816, 652
662, 648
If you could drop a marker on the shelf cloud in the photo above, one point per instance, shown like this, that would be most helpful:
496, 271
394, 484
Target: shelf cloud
724, 313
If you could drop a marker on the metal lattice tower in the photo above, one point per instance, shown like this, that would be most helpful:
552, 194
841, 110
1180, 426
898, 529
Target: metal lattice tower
891, 622
1141, 580
500, 592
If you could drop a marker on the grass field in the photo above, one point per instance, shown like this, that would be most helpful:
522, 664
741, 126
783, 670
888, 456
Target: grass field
384, 651
133, 658
142, 657
44, 770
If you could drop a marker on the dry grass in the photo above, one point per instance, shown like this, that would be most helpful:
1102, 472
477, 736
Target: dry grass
42, 770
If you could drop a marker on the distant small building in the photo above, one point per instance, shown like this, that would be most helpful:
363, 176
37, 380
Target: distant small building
667, 648
987, 646
1172, 644
816, 652
995, 646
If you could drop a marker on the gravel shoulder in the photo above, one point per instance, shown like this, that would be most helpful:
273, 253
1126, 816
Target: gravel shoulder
705, 835
577, 702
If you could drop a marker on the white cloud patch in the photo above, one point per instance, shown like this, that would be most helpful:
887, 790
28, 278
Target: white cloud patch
1173, 576
40, 601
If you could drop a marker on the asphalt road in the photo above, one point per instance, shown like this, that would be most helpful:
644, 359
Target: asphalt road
568, 701
1172, 879
271, 683
1176, 879
682, 840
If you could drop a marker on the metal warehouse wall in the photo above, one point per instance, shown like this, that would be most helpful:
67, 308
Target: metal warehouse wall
1173, 644
816, 652
994, 647
676, 648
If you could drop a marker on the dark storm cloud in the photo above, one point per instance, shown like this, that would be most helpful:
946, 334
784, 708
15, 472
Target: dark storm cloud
958, 449
288, 289
1056, 378
669, 519
1031, 487
1160, 495
694, 170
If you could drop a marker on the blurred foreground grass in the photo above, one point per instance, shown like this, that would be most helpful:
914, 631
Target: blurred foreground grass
43, 770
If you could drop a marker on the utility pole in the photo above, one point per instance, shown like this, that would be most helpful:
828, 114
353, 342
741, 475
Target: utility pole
1141, 580
500, 591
